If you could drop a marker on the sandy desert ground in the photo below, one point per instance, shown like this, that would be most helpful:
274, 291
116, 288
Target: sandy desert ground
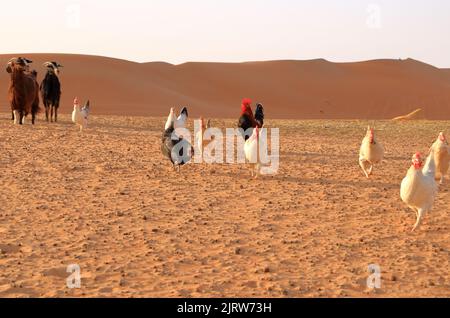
107, 200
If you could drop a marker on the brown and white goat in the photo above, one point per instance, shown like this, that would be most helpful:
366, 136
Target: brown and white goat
23, 90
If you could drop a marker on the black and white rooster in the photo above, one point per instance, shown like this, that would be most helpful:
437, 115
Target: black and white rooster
178, 150
247, 120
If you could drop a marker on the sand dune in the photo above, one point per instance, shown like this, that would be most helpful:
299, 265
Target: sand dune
108, 201
379, 89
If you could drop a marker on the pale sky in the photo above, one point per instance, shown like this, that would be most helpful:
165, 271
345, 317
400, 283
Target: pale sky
178, 31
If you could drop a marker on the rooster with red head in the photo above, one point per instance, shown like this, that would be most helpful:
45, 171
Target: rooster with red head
247, 119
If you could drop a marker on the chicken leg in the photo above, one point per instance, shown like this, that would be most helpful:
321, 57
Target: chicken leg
420, 214
370, 170
365, 166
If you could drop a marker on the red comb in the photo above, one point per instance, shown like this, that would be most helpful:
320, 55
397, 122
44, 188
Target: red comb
246, 101
417, 157
417, 160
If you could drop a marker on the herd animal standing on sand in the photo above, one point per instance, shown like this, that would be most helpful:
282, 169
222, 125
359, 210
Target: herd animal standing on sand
23, 93
418, 189
51, 90
23, 90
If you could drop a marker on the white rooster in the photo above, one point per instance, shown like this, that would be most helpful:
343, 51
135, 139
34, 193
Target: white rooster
419, 189
370, 153
441, 151
80, 116
251, 150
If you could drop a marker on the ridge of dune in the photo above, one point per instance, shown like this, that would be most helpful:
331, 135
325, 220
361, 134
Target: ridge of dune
312, 89
417, 114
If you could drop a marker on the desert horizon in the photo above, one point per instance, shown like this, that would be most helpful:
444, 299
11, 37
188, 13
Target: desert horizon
311, 89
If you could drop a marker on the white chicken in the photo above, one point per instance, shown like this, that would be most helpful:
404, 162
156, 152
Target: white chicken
419, 188
170, 119
251, 150
80, 116
441, 151
370, 153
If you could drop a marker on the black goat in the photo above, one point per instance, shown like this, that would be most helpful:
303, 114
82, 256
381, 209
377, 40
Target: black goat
51, 90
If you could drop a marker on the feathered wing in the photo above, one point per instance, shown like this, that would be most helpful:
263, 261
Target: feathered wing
410, 187
166, 148
405, 190
245, 123
74, 116
364, 152
363, 149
